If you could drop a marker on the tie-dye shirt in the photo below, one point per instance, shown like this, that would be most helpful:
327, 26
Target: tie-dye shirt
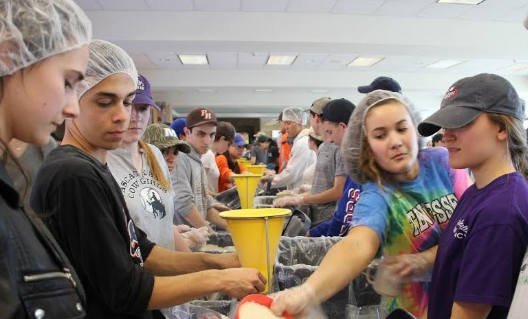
410, 218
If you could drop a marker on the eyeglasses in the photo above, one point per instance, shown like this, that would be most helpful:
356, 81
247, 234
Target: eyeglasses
166, 151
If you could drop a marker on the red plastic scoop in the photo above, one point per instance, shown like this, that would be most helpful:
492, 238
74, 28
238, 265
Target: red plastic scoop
261, 300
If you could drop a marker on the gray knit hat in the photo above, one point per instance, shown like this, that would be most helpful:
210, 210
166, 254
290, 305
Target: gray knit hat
355, 134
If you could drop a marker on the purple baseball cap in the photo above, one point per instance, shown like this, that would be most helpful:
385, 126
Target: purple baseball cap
143, 93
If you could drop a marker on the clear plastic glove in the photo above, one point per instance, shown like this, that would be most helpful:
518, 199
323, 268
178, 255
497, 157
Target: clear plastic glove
288, 201
183, 228
410, 267
196, 238
297, 301
305, 188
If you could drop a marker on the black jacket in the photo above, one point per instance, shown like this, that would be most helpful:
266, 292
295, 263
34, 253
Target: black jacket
36, 278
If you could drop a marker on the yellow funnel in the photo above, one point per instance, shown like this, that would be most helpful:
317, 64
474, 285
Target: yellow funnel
256, 169
246, 187
244, 162
256, 234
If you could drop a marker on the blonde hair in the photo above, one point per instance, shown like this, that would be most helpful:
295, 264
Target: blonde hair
155, 167
517, 143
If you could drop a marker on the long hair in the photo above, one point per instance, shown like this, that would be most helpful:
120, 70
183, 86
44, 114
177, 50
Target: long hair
517, 143
232, 164
155, 167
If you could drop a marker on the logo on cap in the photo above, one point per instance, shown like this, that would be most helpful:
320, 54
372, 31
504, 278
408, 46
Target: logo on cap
451, 93
206, 115
140, 85
169, 132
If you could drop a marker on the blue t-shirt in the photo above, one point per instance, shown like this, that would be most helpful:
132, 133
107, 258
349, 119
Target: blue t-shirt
410, 218
339, 224
480, 255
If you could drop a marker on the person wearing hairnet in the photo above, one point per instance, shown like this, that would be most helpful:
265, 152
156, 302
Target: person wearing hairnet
123, 273
43, 56
408, 195
301, 156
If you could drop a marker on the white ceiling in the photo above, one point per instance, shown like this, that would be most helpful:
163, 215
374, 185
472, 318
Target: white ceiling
238, 36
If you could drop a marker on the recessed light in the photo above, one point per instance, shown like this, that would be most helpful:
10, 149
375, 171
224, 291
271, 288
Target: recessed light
444, 64
364, 61
281, 59
473, 2
206, 90
193, 58
517, 67
263, 90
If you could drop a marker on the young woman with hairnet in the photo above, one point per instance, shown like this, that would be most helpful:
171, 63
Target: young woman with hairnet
123, 273
43, 56
408, 196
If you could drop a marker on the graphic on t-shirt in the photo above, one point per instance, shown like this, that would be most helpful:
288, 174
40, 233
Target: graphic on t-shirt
135, 251
151, 201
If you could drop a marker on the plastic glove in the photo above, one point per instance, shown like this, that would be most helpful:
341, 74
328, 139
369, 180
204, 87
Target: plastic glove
297, 301
183, 228
305, 188
410, 267
196, 238
288, 201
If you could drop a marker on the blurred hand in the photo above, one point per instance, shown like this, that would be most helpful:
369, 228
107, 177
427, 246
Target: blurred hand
288, 201
409, 266
221, 207
196, 238
183, 228
305, 188
240, 282
296, 301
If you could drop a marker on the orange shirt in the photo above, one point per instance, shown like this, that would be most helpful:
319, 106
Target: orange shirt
225, 171
285, 150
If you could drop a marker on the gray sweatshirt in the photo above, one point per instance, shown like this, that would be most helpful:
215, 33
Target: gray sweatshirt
151, 207
190, 186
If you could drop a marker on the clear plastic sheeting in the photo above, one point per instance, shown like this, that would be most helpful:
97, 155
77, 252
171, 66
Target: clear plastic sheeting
229, 198
299, 257
219, 243
263, 201
366, 312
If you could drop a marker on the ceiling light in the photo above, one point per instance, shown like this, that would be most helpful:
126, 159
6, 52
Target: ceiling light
193, 58
206, 90
444, 64
263, 90
364, 61
461, 1
281, 59
517, 67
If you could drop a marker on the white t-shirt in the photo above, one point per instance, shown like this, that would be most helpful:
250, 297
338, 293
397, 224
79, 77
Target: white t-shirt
209, 163
519, 306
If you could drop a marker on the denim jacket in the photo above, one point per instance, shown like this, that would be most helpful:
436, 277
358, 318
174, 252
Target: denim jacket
36, 279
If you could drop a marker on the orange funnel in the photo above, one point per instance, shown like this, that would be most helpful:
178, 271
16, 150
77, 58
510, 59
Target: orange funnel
246, 187
256, 234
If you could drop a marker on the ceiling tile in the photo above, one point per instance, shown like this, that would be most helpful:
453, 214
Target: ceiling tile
259, 58
357, 6
493, 11
444, 10
402, 8
164, 60
265, 6
123, 4
216, 5
141, 61
337, 61
222, 60
172, 5
88, 4
311, 6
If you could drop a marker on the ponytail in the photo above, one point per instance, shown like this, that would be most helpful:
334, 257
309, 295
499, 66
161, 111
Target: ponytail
155, 167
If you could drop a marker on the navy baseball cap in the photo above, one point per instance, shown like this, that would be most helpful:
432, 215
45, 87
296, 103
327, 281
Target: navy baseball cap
178, 126
381, 83
469, 97
143, 93
338, 111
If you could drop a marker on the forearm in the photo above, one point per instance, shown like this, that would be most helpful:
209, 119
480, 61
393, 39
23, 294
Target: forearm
214, 217
195, 219
430, 256
330, 195
467, 310
344, 262
169, 291
179, 242
164, 262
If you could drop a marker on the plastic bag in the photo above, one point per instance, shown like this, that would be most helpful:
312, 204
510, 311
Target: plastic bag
196, 238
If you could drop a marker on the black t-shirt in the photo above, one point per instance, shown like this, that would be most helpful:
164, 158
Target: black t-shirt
86, 212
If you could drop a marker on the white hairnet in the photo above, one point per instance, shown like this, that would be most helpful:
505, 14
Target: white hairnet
106, 59
355, 134
294, 114
32, 30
